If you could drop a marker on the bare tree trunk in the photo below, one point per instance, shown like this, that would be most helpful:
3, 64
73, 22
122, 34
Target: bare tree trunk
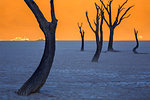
82, 36
137, 45
101, 30
99, 41
82, 46
97, 53
37, 80
110, 44
117, 21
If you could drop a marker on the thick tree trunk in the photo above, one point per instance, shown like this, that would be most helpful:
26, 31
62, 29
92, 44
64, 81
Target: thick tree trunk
37, 80
110, 44
97, 53
82, 45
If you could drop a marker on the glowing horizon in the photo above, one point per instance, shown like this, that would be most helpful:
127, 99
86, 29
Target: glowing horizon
16, 20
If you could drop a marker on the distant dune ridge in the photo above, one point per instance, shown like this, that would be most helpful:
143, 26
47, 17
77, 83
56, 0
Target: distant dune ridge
20, 39
26, 39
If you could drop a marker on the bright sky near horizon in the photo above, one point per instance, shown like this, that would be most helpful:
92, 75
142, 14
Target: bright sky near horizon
16, 19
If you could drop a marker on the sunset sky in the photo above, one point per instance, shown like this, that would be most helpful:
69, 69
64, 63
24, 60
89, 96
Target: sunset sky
16, 19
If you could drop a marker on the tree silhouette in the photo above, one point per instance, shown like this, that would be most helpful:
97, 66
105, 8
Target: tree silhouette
82, 35
99, 39
37, 80
118, 20
137, 41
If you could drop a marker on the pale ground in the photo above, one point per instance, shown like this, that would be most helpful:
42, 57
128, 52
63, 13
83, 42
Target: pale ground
117, 76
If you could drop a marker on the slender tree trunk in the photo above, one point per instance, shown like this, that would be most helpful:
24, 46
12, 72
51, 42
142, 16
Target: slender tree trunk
110, 44
82, 46
99, 43
101, 32
82, 36
37, 80
137, 43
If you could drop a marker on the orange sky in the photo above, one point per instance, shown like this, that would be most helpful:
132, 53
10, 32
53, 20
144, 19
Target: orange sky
16, 19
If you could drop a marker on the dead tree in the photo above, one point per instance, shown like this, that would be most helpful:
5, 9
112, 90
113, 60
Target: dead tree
99, 39
118, 20
37, 80
137, 41
82, 36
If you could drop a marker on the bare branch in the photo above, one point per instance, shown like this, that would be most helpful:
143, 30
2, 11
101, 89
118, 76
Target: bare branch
89, 22
106, 21
98, 14
120, 9
97, 7
118, 13
110, 17
101, 25
106, 8
123, 4
80, 25
95, 23
53, 11
36, 11
126, 16
102, 10
110, 2
122, 17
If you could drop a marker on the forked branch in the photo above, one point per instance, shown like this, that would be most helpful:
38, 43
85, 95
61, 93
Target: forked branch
53, 11
106, 8
81, 31
39, 77
123, 16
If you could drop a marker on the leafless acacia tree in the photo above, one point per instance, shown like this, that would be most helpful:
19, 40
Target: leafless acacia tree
118, 20
82, 36
137, 41
37, 80
99, 39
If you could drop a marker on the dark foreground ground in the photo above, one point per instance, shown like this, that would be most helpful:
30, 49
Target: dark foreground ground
117, 76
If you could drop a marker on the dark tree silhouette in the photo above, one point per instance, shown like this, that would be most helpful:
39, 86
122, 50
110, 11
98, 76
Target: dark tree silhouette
37, 80
137, 41
82, 36
99, 39
117, 21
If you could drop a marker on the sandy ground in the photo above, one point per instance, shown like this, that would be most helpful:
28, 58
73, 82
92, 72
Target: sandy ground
117, 76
